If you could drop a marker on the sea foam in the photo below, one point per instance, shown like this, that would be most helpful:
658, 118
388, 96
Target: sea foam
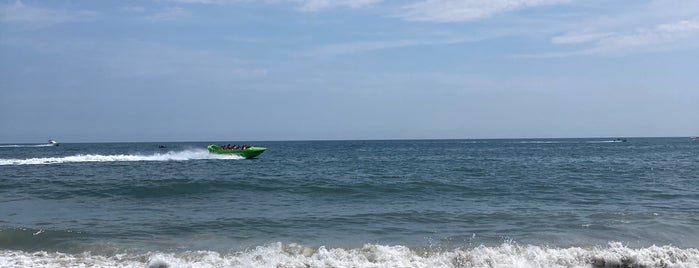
80, 158
25, 145
292, 255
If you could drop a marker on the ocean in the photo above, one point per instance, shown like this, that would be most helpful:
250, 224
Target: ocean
389, 203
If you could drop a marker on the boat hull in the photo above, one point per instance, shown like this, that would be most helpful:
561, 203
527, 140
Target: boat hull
250, 152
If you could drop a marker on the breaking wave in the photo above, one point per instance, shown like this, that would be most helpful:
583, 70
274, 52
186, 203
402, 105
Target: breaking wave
293, 255
80, 158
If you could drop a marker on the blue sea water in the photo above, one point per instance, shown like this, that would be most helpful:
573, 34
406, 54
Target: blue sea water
397, 203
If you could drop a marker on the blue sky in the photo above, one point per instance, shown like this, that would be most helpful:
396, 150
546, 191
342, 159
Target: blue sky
202, 70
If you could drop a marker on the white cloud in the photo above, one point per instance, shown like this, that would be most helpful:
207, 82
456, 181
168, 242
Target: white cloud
316, 5
364, 46
460, 10
663, 37
37, 17
304, 5
355, 47
682, 26
576, 38
205, 1
167, 14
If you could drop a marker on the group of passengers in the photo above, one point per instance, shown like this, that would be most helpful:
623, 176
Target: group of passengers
234, 147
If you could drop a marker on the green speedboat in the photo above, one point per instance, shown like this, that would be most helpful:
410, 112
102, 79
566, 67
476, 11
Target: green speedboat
248, 152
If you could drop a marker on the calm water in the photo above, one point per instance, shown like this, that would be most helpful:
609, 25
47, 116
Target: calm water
424, 203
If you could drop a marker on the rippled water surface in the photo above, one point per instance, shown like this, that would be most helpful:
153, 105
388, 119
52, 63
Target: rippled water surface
434, 199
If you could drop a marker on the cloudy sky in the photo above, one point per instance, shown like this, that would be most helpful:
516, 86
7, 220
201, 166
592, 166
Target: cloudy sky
241, 70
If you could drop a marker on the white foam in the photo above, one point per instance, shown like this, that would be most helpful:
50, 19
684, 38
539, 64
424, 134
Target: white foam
80, 158
25, 145
541, 142
292, 255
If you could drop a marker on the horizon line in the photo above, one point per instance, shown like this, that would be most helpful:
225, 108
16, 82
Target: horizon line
395, 139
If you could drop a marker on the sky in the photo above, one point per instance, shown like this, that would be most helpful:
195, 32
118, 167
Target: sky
262, 70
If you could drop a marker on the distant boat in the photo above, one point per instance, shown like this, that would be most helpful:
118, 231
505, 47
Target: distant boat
52, 142
696, 138
245, 151
619, 140
161, 146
